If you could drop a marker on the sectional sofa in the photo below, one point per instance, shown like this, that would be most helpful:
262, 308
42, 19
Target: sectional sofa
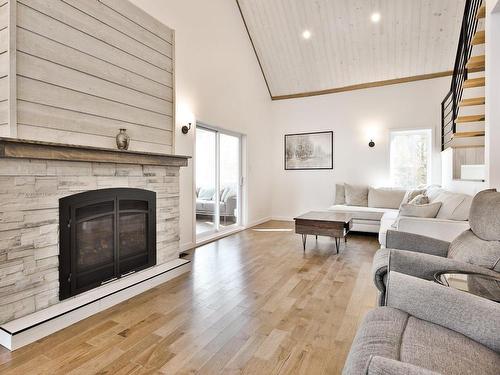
377, 210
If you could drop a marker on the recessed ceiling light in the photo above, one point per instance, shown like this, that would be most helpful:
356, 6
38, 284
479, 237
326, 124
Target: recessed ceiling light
375, 17
306, 34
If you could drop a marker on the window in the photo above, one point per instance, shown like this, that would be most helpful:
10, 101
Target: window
410, 157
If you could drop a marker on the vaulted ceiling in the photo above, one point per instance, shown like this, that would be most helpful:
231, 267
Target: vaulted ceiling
414, 39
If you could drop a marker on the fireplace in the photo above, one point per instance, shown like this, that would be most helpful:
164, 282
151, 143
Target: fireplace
105, 235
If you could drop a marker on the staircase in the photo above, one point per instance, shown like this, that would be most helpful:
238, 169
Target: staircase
462, 109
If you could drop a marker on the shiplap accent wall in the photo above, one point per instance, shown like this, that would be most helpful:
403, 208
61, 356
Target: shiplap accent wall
86, 68
4, 68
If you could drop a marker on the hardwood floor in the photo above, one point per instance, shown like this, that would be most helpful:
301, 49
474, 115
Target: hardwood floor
253, 304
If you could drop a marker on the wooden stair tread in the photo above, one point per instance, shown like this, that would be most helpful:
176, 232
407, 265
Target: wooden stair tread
472, 101
481, 12
471, 118
477, 133
479, 38
476, 62
474, 82
466, 142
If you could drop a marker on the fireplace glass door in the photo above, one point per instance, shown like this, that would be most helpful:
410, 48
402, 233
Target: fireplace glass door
105, 234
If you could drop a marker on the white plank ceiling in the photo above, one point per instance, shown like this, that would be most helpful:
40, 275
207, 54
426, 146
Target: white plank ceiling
413, 37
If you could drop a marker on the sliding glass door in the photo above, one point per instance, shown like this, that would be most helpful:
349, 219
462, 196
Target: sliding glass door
218, 180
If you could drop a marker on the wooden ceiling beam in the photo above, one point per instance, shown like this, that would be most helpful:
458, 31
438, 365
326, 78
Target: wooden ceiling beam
365, 85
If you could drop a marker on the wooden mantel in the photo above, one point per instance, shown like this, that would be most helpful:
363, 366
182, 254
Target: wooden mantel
27, 149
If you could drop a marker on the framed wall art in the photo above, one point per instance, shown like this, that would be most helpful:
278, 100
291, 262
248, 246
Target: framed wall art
309, 151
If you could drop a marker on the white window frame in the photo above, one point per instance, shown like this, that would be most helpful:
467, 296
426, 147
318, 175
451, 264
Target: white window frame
430, 135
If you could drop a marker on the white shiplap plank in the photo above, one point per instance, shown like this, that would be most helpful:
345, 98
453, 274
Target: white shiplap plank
4, 64
4, 130
4, 112
70, 121
4, 40
4, 15
55, 96
41, 24
49, 72
4, 88
59, 136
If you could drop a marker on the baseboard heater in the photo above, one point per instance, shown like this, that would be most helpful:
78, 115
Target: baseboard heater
28, 329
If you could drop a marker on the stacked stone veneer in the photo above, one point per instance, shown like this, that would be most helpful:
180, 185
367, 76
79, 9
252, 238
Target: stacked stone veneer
29, 221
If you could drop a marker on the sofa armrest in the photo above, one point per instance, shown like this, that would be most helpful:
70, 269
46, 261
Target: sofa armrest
424, 266
443, 229
417, 243
379, 268
472, 316
386, 366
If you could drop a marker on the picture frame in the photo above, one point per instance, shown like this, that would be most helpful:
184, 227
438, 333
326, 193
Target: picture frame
309, 151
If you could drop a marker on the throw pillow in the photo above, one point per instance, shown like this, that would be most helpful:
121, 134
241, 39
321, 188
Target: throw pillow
425, 210
433, 191
420, 199
206, 194
339, 194
356, 195
410, 194
385, 197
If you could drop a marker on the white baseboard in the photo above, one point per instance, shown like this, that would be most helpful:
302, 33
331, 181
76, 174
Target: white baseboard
25, 330
258, 221
282, 218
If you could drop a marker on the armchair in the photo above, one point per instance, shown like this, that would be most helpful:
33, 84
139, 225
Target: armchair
475, 250
427, 329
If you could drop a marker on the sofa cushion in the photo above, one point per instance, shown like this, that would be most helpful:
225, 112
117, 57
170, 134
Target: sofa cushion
339, 194
356, 195
471, 249
484, 216
385, 197
448, 352
454, 206
363, 213
379, 335
422, 210
388, 221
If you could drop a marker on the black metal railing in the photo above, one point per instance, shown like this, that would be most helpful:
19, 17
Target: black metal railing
449, 105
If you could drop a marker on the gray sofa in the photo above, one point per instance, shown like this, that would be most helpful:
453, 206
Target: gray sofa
427, 329
475, 250
205, 202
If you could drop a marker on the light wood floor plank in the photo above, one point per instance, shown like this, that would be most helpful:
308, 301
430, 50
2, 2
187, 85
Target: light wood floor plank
253, 304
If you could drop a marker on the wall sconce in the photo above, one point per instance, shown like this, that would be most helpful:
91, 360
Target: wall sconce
371, 143
185, 128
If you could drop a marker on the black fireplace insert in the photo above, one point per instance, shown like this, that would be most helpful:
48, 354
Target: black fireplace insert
104, 235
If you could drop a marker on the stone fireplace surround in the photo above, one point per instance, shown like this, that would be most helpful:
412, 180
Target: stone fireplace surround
33, 177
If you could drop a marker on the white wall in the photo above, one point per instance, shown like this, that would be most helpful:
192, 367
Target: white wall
218, 82
353, 116
493, 92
